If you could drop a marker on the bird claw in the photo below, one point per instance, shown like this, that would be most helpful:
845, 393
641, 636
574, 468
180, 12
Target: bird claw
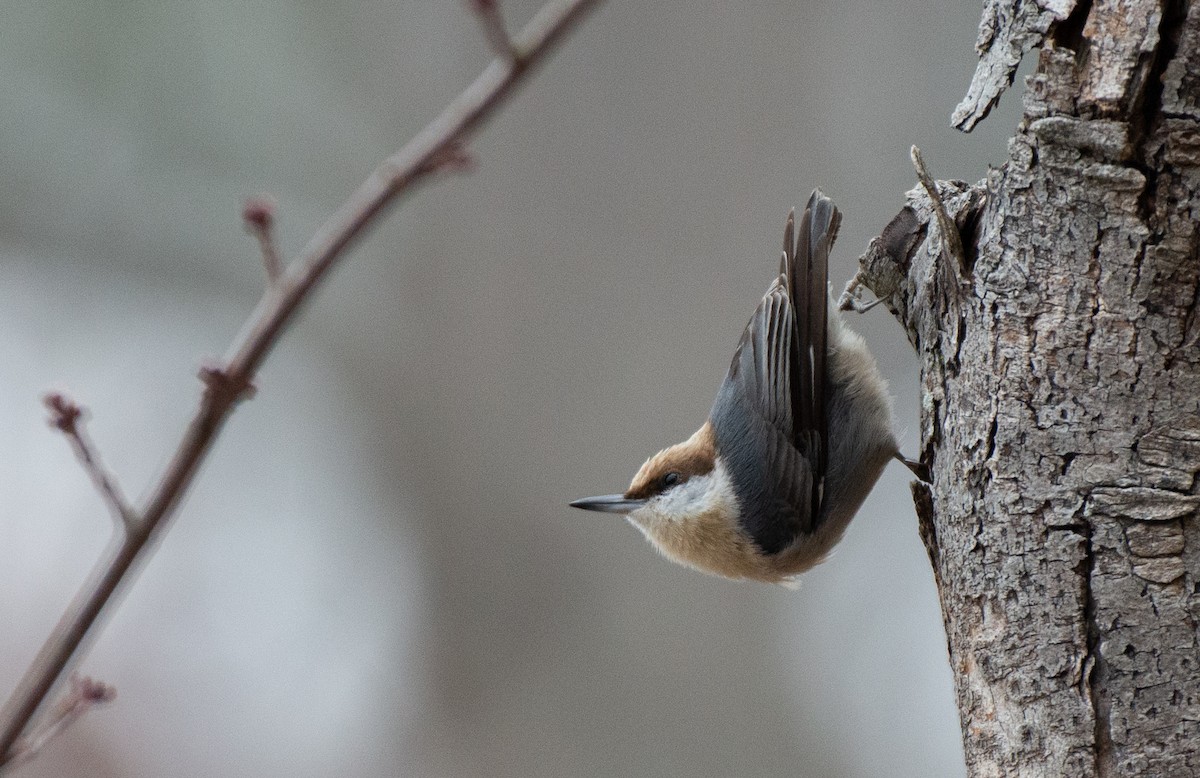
851, 299
919, 469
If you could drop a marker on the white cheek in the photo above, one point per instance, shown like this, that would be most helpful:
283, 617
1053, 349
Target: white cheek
694, 497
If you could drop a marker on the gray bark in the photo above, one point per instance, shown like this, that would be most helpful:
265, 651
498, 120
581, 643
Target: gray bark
1061, 415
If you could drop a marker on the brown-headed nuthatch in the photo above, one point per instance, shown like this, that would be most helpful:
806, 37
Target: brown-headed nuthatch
799, 433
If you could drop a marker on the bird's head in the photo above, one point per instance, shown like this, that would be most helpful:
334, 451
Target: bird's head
684, 503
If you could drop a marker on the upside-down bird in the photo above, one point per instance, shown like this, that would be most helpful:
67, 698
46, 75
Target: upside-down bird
800, 431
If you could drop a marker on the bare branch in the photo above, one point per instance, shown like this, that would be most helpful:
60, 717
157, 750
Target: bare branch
435, 148
258, 214
67, 417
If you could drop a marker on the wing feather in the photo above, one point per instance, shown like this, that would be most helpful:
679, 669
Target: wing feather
769, 416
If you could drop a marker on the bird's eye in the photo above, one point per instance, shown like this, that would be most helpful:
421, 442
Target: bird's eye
669, 480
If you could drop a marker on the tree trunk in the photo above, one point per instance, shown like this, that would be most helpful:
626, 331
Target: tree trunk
1060, 363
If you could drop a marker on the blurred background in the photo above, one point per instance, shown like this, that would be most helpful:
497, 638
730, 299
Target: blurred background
377, 573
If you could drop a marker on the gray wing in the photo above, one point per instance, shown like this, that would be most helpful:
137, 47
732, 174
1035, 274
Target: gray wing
769, 416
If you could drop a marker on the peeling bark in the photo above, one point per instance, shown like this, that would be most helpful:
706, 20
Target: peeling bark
1009, 29
1061, 410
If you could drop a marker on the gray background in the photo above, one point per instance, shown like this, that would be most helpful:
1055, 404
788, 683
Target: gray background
377, 573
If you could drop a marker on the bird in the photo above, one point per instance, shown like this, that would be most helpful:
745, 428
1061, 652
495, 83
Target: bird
799, 433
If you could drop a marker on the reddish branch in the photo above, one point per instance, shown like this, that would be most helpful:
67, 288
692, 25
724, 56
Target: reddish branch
439, 146
67, 418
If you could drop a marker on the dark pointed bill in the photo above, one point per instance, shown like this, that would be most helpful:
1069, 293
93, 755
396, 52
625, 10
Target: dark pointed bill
609, 503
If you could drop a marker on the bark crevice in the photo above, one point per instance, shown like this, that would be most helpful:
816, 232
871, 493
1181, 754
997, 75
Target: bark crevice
1092, 682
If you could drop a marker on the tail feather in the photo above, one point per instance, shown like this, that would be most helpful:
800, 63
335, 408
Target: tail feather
808, 284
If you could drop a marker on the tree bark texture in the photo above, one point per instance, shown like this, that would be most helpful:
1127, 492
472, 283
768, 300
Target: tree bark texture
1060, 363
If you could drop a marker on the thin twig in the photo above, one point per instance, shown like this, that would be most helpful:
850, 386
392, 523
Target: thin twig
258, 214
396, 176
495, 29
951, 239
84, 694
67, 417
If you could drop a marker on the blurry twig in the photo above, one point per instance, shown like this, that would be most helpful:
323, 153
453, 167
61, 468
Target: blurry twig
83, 695
67, 417
494, 28
439, 146
258, 214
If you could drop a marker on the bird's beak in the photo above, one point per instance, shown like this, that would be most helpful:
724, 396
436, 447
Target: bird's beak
609, 503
